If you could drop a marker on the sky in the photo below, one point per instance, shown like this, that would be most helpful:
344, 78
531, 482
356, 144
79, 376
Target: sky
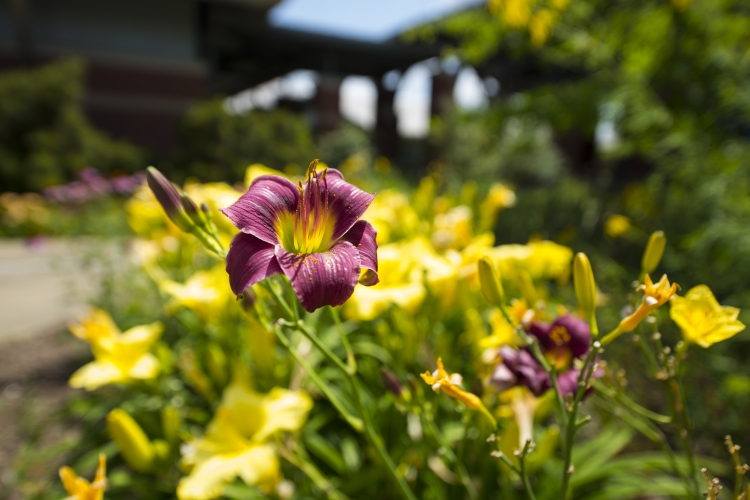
362, 19
373, 21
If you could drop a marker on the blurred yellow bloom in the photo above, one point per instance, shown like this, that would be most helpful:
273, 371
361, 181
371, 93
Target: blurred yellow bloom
256, 170
80, 489
617, 226
453, 229
119, 357
16, 209
405, 269
236, 443
515, 12
654, 295
499, 197
540, 26
542, 259
146, 216
503, 333
392, 216
702, 319
442, 381
205, 292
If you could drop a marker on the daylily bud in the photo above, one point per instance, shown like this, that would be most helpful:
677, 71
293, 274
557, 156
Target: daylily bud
171, 422
391, 382
133, 443
169, 198
654, 250
492, 289
216, 363
583, 279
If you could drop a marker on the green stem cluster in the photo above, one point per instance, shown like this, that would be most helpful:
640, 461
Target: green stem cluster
361, 423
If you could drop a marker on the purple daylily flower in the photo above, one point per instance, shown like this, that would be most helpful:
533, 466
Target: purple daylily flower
311, 233
562, 341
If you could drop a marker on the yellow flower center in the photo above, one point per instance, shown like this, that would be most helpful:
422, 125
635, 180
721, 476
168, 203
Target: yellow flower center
310, 228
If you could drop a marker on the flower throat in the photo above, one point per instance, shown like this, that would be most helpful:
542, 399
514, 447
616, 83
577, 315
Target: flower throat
310, 227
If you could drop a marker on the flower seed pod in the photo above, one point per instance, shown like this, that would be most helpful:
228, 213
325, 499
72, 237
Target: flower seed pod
169, 198
492, 289
133, 443
654, 251
583, 279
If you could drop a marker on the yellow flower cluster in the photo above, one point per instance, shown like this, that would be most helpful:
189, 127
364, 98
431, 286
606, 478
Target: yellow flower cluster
119, 357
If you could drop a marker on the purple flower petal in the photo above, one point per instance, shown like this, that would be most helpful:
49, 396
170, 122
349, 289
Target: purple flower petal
580, 334
322, 279
250, 260
526, 369
363, 236
258, 210
347, 203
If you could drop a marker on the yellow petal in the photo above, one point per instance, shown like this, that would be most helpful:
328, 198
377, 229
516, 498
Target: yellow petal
256, 465
285, 410
147, 367
69, 480
96, 374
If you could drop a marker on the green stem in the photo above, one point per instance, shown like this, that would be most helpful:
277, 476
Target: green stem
522, 468
631, 405
445, 445
572, 425
299, 459
370, 432
355, 422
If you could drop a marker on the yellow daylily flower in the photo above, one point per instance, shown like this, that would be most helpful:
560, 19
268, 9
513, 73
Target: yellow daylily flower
654, 295
205, 292
503, 333
405, 268
392, 216
702, 319
256, 170
453, 229
542, 259
80, 489
442, 381
119, 357
236, 441
617, 226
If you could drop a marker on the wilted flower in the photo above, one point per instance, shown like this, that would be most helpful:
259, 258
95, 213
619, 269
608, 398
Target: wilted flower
562, 341
236, 443
80, 489
450, 384
654, 295
311, 233
119, 357
702, 319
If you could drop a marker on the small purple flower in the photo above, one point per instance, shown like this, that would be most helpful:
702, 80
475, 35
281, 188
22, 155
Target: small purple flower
311, 233
562, 341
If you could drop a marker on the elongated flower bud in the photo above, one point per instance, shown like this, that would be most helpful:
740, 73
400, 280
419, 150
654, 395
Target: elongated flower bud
171, 422
583, 279
133, 443
526, 284
492, 289
169, 198
654, 250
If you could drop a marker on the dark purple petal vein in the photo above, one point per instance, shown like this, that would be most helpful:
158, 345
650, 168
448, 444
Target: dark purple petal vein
258, 210
322, 279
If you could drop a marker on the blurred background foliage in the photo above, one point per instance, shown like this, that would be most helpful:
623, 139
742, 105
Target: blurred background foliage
642, 125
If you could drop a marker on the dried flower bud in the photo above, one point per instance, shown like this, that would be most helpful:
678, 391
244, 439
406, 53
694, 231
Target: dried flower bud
654, 251
391, 382
583, 279
489, 279
169, 198
133, 443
